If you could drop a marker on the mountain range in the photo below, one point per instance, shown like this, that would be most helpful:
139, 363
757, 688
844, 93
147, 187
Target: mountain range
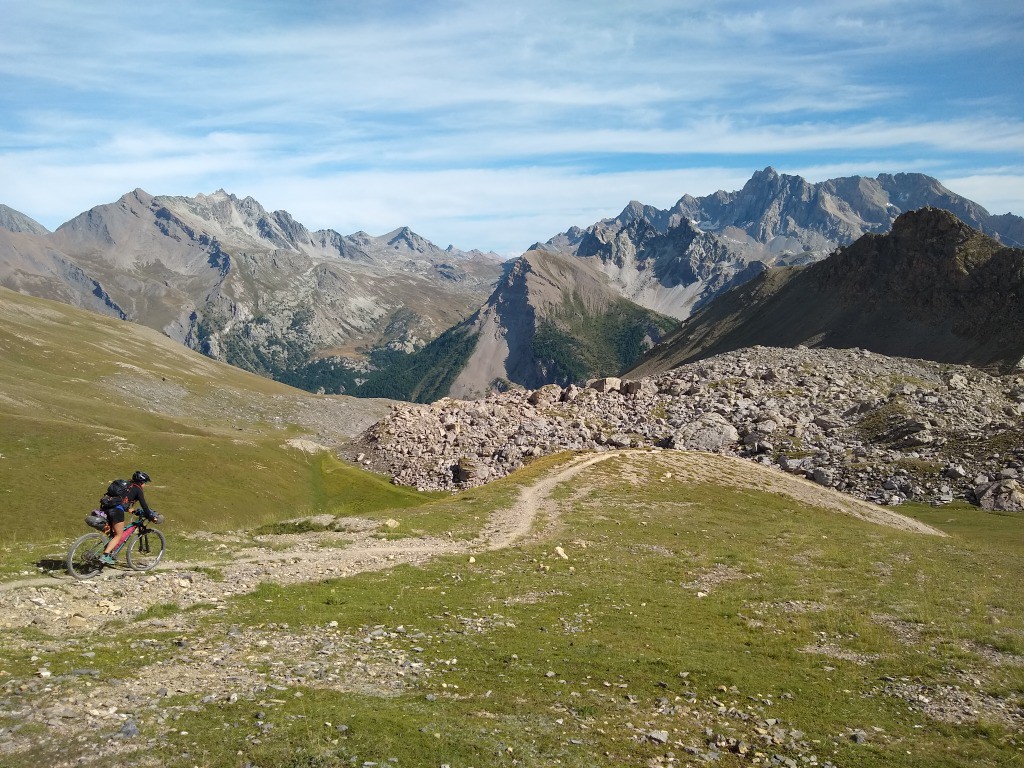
254, 288
355, 313
676, 260
544, 323
931, 288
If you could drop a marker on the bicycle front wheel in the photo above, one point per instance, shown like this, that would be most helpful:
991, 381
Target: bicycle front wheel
146, 550
84, 556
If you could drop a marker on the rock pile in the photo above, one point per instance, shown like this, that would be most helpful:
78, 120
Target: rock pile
883, 429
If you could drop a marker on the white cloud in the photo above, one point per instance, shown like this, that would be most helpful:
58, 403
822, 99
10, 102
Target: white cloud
998, 192
494, 125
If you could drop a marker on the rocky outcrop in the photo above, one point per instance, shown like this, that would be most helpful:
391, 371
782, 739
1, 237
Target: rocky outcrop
883, 429
675, 261
1005, 495
933, 287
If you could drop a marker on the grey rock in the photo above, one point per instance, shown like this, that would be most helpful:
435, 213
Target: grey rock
607, 384
129, 730
708, 406
1003, 495
829, 422
552, 393
823, 477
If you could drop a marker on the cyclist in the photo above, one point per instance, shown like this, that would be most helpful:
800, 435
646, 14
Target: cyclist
115, 516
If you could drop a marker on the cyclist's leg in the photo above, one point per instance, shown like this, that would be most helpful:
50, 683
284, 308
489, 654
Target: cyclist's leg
116, 519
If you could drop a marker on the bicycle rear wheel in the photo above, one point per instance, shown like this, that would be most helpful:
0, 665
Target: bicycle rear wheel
84, 556
145, 550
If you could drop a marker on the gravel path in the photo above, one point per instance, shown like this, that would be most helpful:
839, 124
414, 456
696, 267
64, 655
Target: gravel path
308, 559
265, 662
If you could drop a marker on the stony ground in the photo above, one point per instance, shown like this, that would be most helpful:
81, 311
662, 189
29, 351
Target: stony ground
879, 428
267, 663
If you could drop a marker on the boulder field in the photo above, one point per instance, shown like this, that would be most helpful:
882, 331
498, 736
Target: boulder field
880, 428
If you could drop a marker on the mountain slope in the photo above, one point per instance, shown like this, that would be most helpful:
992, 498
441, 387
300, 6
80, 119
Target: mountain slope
552, 319
86, 398
932, 288
676, 260
15, 221
251, 287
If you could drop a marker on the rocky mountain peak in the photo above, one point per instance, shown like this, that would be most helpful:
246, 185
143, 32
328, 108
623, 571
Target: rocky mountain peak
932, 288
676, 261
930, 225
16, 221
767, 175
404, 239
255, 288
925, 246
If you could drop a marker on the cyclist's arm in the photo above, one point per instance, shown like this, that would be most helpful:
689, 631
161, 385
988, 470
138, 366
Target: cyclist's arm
137, 495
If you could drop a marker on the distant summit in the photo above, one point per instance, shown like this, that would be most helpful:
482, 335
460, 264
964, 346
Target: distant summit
252, 287
15, 221
674, 261
932, 288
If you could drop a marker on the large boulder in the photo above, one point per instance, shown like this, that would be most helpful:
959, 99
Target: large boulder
468, 470
549, 394
1002, 495
713, 434
607, 384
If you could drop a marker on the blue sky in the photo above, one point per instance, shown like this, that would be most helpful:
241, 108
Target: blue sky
494, 125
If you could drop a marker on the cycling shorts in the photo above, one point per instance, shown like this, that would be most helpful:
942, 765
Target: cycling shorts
115, 515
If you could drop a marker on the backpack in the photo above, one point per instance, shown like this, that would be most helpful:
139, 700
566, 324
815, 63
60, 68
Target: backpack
116, 495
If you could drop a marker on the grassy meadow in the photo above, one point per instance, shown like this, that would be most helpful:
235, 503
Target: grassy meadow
85, 399
656, 620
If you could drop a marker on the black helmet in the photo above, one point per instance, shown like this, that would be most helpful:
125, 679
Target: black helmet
140, 477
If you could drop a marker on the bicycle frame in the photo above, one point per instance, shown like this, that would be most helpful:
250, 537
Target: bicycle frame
138, 524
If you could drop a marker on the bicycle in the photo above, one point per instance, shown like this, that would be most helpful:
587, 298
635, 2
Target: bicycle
144, 548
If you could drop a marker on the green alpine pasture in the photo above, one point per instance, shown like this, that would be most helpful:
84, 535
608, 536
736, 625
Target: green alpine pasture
654, 621
697, 611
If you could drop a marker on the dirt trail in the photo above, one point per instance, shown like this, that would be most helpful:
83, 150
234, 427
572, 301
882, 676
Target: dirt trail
268, 661
359, 550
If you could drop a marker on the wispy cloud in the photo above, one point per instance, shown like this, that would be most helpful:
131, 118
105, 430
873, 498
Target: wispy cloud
571, 108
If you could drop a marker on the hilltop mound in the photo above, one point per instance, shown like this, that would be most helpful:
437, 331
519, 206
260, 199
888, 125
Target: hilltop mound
880, 428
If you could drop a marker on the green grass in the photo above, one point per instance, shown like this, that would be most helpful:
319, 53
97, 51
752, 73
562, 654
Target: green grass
577, 343
422, 376
683, 607
86, 399
673, 602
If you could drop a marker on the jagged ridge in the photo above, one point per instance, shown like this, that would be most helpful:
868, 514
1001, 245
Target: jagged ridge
932, 288
676, 260
252, 287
